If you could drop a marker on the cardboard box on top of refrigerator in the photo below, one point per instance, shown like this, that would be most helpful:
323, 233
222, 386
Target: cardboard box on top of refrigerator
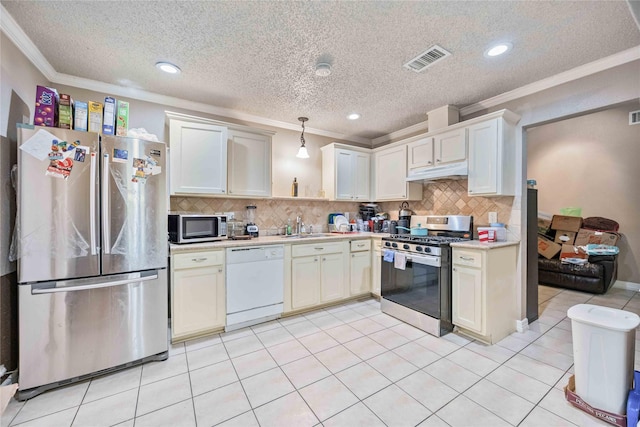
80, 115
585, 237
65, 112
109, 117
95, 117
567, 223
46, 111
122, 118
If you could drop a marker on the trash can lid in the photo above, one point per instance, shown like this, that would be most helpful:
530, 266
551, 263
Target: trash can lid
605, 317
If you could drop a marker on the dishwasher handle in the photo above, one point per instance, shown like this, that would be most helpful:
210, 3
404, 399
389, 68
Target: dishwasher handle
48, 289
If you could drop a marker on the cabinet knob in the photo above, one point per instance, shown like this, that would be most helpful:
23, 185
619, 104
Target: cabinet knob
429, 162
315, 259
219, 270
438, 160
353, 255
454, 269
324, 259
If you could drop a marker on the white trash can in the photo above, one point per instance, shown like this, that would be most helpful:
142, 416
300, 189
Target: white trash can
603, 355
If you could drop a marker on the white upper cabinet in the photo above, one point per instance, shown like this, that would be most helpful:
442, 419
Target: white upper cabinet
391, 176
437, 150
420, 154
249, 163
198, 158
492, 159
450, 147
346, 173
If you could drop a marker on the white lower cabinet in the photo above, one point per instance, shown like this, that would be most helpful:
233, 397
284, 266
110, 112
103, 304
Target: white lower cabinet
197, 294
360, 267
318, 274
376, 262
484, 292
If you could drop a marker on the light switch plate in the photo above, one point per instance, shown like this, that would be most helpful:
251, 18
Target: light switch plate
493, 217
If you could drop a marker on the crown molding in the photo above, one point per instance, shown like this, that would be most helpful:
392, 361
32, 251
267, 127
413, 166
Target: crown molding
33, 54
13, 31
585, 70
418, 127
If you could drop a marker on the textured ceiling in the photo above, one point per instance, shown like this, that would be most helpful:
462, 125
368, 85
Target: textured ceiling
259, 57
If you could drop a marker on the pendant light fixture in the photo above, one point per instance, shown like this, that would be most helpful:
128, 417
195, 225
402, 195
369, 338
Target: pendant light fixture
302, 152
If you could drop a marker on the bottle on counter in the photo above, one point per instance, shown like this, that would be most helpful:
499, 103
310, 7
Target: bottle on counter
288, 232
294, 188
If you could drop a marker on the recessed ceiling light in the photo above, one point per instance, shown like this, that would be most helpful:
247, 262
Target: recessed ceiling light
498, 49
353, 116
168, 67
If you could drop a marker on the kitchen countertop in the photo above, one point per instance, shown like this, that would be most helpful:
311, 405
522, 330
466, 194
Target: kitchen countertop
270, 240
476, 244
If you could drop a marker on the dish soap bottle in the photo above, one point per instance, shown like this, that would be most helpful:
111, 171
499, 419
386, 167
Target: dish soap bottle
294, 188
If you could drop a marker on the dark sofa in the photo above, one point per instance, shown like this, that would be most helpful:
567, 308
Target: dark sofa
597, 276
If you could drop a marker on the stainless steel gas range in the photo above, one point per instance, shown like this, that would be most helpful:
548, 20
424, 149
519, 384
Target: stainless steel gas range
416, 272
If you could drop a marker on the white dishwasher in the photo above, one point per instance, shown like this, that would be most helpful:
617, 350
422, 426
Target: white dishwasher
255, 285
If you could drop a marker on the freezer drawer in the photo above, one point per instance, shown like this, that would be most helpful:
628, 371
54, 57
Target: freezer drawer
75, 328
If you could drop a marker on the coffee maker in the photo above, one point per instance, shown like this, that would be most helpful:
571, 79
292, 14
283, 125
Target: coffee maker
251, 228
368, 211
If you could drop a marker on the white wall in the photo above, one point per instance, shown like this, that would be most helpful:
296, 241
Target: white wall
597, 91
18, 81
592, 161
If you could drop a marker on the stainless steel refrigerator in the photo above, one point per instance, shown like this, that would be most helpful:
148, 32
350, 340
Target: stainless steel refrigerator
92, 255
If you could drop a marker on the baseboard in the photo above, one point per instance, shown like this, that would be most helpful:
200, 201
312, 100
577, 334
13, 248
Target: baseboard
630, 286
522, 325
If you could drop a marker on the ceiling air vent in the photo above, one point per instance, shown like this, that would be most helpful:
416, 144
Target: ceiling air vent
426, 59
634, 118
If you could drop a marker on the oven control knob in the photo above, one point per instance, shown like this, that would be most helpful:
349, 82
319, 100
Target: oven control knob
406, 247
418, 248
395, 245
387, 244
427, 249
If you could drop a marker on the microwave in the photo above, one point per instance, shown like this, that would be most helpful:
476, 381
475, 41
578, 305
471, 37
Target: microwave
197, 228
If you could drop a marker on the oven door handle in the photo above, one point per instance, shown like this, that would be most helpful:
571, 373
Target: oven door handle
430, 260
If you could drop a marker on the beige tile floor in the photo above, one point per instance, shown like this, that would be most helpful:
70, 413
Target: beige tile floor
343, 366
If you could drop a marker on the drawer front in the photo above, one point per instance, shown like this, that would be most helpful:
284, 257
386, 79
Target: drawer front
197, 259
360, 245
468, 258
315, 249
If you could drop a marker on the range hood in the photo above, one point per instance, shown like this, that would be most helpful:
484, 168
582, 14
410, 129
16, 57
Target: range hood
450, 171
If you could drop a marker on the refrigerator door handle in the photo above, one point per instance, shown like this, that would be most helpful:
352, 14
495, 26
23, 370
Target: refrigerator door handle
106, 231
92, 205
127, 281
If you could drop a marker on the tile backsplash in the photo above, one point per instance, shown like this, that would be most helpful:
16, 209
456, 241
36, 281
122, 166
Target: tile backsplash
438, 198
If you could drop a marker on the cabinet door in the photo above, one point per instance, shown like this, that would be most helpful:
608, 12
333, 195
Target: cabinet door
362, 176
376, 262
420, 154
344, 174
360, 272
483, 157
198, 300
249, 164
467, 298
198, 158
305, 282
333, 277
391, 173
450, 147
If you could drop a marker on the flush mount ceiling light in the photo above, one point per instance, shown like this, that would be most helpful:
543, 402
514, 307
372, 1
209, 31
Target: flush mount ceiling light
323, 69
353, 116
498, 49
302, 152
168, 67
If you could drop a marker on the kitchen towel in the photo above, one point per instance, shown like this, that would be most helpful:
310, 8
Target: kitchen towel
400, 261
388, 255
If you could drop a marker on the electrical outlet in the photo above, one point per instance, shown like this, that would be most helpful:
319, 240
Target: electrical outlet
230, 215
493, 217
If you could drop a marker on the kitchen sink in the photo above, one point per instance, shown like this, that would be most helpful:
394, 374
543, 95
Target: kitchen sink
306, 236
